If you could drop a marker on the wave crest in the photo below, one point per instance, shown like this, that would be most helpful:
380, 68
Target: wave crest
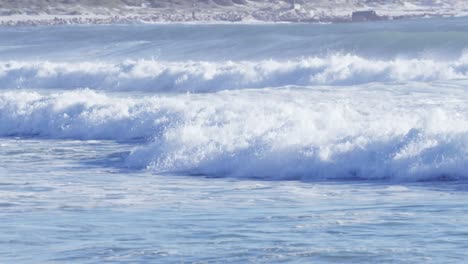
305, 134
192, 76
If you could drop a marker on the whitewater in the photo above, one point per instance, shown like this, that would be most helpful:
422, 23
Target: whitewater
234, 143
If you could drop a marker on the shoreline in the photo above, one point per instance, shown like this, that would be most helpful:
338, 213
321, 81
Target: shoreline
51, 20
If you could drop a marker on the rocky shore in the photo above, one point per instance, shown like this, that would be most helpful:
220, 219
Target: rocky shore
240, 11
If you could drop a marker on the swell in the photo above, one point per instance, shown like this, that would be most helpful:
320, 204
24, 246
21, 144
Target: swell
200, 76
416, 133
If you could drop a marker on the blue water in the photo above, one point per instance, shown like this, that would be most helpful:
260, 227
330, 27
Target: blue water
341, 143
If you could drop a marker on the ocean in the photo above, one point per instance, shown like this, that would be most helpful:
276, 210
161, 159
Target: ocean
231, 143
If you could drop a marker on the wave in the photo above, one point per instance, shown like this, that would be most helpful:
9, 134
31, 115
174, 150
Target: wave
82, 114
307, 134
199, 76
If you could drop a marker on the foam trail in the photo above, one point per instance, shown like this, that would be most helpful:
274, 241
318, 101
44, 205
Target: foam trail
307, 134
199, 76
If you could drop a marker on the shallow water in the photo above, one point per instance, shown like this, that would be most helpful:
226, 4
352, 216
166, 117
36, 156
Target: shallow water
234, 143
70, 208
65, 207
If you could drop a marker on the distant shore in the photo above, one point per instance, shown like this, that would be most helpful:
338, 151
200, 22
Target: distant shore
202, 18
59, 12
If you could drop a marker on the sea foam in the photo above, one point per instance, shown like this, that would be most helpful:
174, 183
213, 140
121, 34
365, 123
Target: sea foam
288, 133
201, 76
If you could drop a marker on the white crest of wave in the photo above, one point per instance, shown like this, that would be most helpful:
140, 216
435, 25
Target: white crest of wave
80, 114
308, 134
199, 76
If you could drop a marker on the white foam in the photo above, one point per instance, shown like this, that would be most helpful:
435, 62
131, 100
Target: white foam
199, 76
415, 133
80, 115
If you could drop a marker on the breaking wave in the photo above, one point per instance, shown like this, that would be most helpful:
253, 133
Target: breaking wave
291, 133
199, 76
